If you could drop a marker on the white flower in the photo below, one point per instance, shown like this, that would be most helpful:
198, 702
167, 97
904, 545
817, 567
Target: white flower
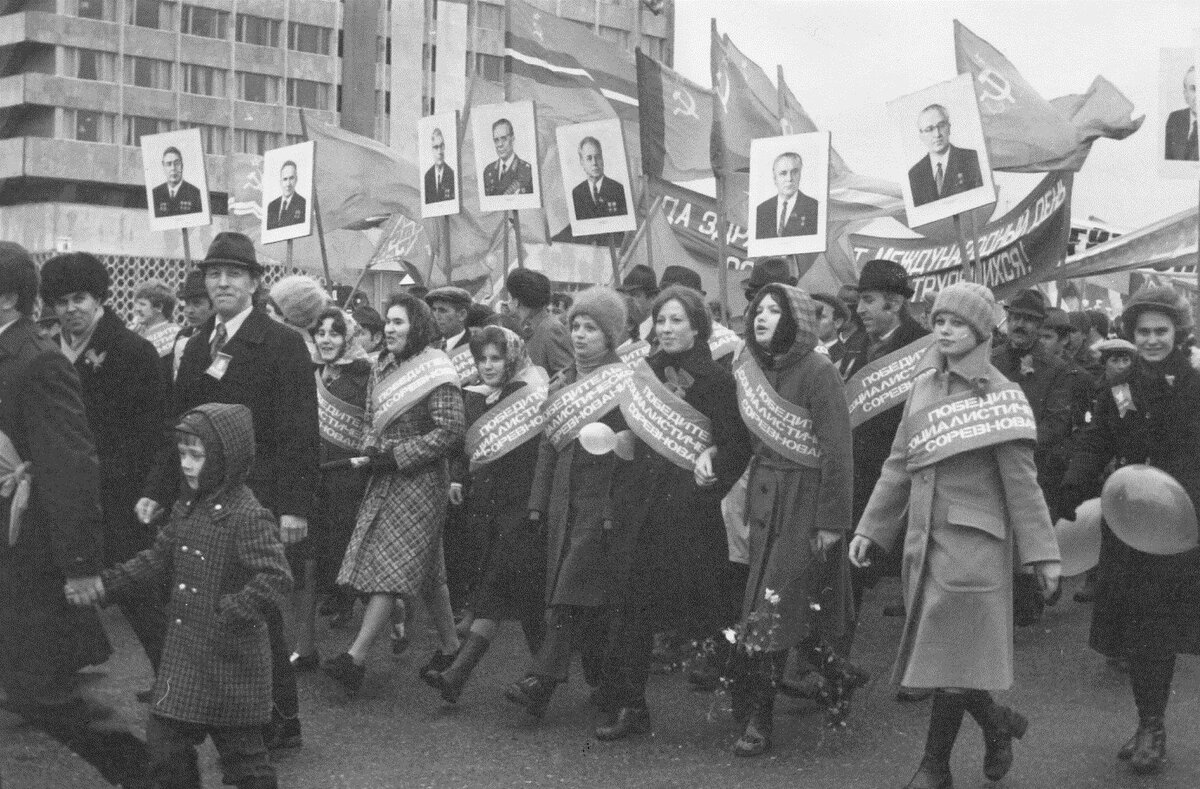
771, 596
730, 635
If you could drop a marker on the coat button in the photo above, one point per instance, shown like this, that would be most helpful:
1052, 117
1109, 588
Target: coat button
216, 506
183, 548
179, 621
183, 587
195, 590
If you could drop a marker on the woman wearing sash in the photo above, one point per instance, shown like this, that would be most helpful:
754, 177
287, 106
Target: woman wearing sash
797, 509
680, 574
414, 415
1146, 603
341, 392
962, 467
581, 491
512, 568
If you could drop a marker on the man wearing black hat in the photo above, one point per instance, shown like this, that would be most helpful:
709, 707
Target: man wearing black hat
371, 323
241, 356
56, 543
1046, 382
449, 306
765, 272
831, 316
197, 308
681, 275
546, 338
124, 397
641, 286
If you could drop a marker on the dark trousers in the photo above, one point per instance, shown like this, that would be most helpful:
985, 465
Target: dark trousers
173, 764
570, 628
461, 549
284, 695
147, 616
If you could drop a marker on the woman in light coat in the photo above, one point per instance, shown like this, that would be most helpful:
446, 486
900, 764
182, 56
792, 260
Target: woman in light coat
971, 500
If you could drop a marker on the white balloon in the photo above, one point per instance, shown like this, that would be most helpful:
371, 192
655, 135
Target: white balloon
1149, 510
626, 445
597, 438
1079, 540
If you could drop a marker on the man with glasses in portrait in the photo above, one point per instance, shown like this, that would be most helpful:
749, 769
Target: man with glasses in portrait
948, 169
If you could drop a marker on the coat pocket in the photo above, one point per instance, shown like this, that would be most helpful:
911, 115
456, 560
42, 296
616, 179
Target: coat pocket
970, 551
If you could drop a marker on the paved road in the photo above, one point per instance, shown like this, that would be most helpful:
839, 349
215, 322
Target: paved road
399, 734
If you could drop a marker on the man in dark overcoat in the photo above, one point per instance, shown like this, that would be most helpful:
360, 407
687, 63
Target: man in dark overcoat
57, 542
123, 395
241, 356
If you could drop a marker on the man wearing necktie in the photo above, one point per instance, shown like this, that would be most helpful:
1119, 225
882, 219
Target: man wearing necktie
597, 196
1181, 124
290, 208
790, 212
509, 174
946, 170
175, 196
439, 179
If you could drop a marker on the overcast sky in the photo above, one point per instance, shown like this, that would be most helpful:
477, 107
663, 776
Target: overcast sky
845, 59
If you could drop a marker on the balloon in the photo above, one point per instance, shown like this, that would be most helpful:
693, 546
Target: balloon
598, 438
626, 445
1147, 509
1079, 540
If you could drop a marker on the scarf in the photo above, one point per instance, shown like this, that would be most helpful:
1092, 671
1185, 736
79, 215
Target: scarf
586, 365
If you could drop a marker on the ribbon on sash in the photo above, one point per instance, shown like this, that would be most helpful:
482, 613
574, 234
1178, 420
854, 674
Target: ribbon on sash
574, 407
633, 350
464, 365
407, 385
340, 422
967, 421
162, 337
511, 422
884, 383
665, 421
782, 425
723, 341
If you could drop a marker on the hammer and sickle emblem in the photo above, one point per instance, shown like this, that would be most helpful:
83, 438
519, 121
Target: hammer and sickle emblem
723, 89
996, 88
685, 104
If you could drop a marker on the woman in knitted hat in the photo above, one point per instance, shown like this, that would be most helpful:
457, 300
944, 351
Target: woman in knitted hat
962, 468
583, 497
1145, 605
798, 511
300, 300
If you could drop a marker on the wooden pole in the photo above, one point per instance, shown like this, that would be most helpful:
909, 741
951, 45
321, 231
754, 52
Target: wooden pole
641, 232
979, 277
722, 253
446, 259
288, 262
187, 248
613, 258
967, 274
1197, 303
316, 213
516, 222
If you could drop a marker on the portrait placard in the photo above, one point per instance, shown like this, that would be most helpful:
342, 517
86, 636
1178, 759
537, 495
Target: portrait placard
595, 177
287, 192
941, 152
176, 184
437, 155
1177, 143
506, 156
789, 194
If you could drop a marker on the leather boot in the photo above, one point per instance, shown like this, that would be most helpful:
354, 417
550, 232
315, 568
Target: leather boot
626, 721
533, 693
945, 719
452, 681
1150, 752
756, 738
1000, 725
932, 774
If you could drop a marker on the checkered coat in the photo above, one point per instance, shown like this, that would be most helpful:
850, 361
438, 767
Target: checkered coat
399, 525
225, 564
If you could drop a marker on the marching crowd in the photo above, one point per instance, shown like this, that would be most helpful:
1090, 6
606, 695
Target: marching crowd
602, 468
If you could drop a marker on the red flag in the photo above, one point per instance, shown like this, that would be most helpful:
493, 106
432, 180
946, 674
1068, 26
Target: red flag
676, 116
1026, 133
744, 103
361, 182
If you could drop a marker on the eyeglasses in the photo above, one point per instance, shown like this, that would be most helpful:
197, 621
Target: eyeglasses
942, 126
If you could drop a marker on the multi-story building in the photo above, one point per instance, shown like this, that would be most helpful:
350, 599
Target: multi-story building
82, 80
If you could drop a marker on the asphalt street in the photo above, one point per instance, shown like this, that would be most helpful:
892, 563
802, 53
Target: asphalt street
398, 733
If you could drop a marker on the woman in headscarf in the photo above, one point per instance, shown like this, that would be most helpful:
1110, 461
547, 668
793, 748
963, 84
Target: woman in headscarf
501, 452
1145, 605
680, 571
414, 417
583, 489
962, 469
798, 510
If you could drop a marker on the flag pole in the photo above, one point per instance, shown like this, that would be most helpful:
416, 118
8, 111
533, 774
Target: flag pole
445, 228
316, 209
967, 273
978, 253
722, 253
288, 259
187, 248
612, 258
516, 223
640, 233
1197, 252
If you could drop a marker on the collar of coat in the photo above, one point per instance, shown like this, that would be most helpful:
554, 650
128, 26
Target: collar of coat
975, 368
253, 329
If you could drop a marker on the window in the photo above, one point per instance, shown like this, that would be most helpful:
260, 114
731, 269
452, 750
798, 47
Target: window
616, 35
383, 50
306, 93
308, 38
148, 72
89, 64
258, 87
490, 67
250, 141
488, 17
104, 10
204, 80
258, 30
293, 139
654, 47
207, 22
150, 13
214, 140
137, 125
88, 125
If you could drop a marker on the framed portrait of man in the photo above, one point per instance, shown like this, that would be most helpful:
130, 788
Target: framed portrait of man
789, 194
287, 187
506, 156
595, 177
176, 184
437, 155
1176, 129
941, 152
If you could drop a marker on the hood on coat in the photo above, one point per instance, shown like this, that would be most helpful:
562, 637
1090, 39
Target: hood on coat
803, 311
227, 431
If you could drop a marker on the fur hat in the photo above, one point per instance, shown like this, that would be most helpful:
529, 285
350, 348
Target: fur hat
606, 307
972, 302
531, 288
885, 276
71, 273
1157, 298
300, 299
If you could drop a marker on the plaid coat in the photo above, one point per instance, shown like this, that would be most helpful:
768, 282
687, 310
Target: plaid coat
225, 565
400, 520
